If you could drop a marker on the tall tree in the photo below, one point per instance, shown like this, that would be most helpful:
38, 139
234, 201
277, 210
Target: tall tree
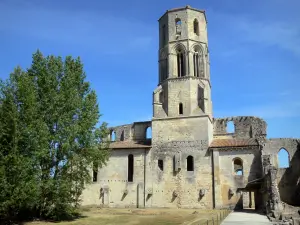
48, 119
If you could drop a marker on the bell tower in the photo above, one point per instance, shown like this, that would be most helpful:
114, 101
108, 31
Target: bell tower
183, 94
184, 87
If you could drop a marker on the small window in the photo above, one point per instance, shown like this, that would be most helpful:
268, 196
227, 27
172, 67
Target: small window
180, 109
164, 34
196, 27
238, 167
178, 26
113, 136
148, 133
190, 163
178, 22
130, 168
283, 158
230, 127
95, 172
160, 164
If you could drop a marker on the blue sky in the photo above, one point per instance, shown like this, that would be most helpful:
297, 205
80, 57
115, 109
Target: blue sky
254, 49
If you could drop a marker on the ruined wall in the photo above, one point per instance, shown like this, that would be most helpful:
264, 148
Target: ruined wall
113, 179
227, 181
245, 127
288, 178
136, 131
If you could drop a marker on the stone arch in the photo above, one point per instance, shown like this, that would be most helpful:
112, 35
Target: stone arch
180, 60
283, 157
238, 167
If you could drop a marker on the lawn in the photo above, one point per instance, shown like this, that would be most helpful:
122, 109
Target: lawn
105, 216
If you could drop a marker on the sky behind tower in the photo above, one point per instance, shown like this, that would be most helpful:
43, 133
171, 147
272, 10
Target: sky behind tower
254, 52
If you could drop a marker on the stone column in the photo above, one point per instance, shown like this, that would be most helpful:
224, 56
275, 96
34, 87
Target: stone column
191, 63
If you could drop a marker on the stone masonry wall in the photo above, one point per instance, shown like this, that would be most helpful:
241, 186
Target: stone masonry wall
113, 177
288, 178
226, 180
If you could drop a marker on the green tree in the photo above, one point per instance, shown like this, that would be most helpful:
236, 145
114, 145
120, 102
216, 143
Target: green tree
48, 138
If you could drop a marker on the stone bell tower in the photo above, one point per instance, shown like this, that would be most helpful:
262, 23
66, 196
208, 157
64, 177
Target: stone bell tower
184, 77
184, 89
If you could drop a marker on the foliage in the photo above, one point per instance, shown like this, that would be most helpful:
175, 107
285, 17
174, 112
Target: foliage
48, 138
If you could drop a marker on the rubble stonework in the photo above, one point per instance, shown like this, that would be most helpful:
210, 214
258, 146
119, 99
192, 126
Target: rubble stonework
191, 160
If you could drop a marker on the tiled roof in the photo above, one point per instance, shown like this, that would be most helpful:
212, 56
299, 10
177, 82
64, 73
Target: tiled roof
130, 144
218, 143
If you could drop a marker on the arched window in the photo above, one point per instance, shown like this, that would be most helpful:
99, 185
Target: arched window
113, 136
122, 138
201, 98
190, 163
130, 168
230, 127
283, 158
148, 132
95, 172
161, 97
196, 27
198, 62
180, 63
160, 164
178, 26
180, 109
164, 34
163, 66
238, 166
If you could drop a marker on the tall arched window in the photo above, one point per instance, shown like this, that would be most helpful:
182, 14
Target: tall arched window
122, 137
164, 34
180, 64
95, 172
113, 135
196, 27
230, 127
198, 62
283, 158
190, 163
180, 109
238, 166
130, 168
201, 102
178, 26
163, 66
148, 133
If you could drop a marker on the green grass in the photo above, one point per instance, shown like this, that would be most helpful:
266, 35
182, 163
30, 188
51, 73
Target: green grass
97, 216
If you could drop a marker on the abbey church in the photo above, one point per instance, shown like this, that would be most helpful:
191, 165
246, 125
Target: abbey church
190, 160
